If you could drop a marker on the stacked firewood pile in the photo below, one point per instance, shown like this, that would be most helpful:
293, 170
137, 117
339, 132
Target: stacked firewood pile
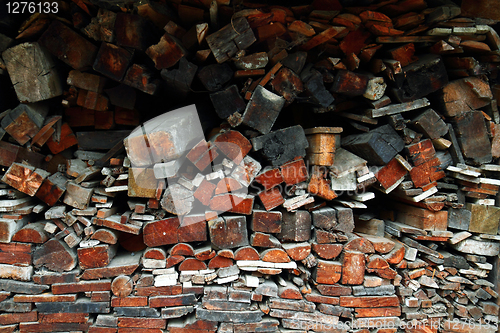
339, 172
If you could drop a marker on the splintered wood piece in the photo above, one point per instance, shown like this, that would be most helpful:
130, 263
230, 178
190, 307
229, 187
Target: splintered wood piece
122, 286
31, 233
228, 232
177, 200
112, 61
56, 256
234, 145
230, 39
396, 255
287, 84
24, 178
353, 264
327, 272
322, 37
378, 265
262, 110
319, 185
68, 46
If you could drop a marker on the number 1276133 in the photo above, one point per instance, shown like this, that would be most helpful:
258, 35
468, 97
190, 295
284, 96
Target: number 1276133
31, 7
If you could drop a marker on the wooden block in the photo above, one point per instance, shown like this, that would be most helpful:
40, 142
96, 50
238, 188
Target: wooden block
161, 232
78, 53
426, 75
350, 83
327, 272
292, 144
430, 124
294, 172
77, 196
353, 271
262, 110
96, 256
314, 86
180, 79
24, 178
56, 256
296, 226
484, 219
271, 198
234, 145
167, 52
86, 81
122, 286
83, 286
228, 232
269, 222
31, 233
230, 39
105, 235
390, 174
112, 61
142, 183
24, 121
52, 277
459, 218
141, 78
215, 76
169, 301
52, 189
35, 79
426, 173
378, 146
20, 287
15, 318
68, 139
15, 253
421, 152
269, 178
229, 104
463, 95
421, 218
473, 137
192, 229
327, 251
